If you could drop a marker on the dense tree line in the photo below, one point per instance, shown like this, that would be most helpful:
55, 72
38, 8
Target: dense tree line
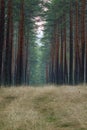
59, 57
17, 38
67, 25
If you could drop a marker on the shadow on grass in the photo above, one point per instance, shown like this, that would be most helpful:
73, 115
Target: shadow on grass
6, 101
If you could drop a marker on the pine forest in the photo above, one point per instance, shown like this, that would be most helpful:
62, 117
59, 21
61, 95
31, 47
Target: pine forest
43, 42
43, 64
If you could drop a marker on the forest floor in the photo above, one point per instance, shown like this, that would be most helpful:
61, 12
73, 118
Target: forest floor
45, 108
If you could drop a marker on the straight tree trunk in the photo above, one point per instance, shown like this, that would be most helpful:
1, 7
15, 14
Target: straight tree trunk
65, 56
77, 49
71, 46
20, 63
83, 37
57, 53
61, 59
2, 31
9, 44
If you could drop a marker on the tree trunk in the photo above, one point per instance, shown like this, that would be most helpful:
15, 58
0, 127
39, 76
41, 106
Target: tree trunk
71, 46
65, 57
9, 43
83, 37
20, 63
2, 31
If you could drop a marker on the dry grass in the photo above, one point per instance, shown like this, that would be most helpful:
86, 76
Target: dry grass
47, 108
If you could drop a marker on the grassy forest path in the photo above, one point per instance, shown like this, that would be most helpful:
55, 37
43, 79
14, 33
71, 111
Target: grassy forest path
47, 108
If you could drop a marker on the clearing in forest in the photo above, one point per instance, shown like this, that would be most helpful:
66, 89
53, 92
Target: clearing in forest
43, 108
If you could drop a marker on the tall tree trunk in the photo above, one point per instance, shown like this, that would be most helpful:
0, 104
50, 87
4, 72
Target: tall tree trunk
57, 53
71, 46
20, 63
27, 59
2, 31
83, 37
65, 57
77, 49
9, 43
61, 59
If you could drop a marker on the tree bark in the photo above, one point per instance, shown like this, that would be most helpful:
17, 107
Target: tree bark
2, 31
20, 62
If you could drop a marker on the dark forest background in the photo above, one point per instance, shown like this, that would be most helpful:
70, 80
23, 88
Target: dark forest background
43, 41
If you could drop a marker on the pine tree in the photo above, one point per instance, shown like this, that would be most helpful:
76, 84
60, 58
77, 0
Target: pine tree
9, 44
2, 31
20, 58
